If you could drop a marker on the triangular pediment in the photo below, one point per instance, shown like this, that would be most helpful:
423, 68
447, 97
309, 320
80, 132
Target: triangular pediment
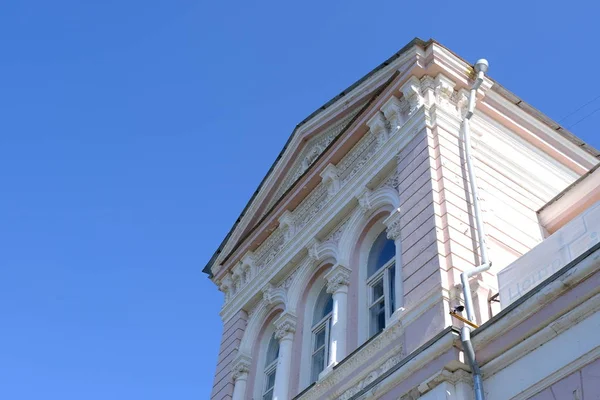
308, 153
303, 149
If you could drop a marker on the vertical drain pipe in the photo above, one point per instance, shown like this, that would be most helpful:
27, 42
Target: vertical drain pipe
481, 67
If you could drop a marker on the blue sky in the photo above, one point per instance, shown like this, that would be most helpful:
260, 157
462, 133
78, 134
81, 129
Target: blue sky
132, 134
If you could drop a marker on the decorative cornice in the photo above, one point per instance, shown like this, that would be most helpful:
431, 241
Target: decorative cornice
338, 278
285, 326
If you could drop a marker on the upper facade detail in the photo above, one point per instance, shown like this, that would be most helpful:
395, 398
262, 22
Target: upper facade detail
349, 257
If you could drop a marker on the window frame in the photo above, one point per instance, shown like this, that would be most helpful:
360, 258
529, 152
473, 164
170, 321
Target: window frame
382, 274
325, 322
269, 369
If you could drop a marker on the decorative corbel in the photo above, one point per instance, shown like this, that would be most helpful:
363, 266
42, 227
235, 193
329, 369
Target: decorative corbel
248, 266
412, 93
444, 89
313, 250
331, 179
428, 90
227, 287
462, 102
364, 200
237, 275
379, 127
392, 110
286, 223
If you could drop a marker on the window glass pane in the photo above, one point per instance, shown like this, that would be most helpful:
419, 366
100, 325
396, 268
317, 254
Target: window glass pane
377, 318
383, 250
268, 395
392, 280
329, 306
377, 290
319, 339
272, 350
318, 364
271, 380
323, 306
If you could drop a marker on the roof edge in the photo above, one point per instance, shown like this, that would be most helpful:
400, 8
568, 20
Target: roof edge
414, 42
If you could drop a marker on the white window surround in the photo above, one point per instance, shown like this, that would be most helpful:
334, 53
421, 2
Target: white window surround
322, 314
307, 337
261, 367
364, 297
385, 276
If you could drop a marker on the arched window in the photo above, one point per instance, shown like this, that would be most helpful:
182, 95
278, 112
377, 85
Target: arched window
270, 368
320, 334
380, 282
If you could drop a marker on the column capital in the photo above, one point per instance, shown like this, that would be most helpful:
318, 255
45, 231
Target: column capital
241, 367
285, 326
393, 225
338, 278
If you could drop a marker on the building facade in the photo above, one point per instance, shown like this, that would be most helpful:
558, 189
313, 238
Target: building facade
342, 276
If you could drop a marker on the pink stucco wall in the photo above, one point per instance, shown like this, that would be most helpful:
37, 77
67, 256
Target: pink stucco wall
233, 330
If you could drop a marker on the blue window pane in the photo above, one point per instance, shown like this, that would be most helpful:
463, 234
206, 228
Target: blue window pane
323, 306
383, 250
272, 350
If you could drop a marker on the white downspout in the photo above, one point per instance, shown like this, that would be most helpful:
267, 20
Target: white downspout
481, 67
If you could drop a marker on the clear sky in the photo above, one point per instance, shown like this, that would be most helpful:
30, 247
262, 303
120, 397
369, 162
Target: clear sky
132, 134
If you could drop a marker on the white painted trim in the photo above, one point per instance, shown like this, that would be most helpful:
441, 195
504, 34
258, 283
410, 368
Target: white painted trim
560, 350
560, 374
